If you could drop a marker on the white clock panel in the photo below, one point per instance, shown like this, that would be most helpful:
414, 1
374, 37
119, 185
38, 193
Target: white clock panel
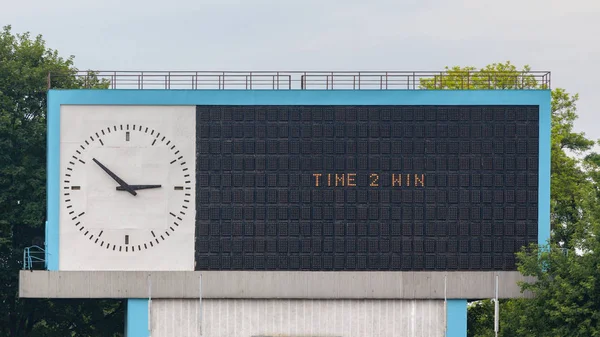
127, 187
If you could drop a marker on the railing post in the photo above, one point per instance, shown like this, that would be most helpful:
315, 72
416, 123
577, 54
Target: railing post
386, 80
468, 79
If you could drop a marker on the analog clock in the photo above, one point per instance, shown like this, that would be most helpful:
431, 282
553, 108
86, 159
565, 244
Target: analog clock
127, 190
137, 179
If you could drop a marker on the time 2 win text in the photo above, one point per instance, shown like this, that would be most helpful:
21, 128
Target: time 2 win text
374, 179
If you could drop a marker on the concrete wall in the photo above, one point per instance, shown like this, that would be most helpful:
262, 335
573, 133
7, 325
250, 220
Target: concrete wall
255, 285
248, 318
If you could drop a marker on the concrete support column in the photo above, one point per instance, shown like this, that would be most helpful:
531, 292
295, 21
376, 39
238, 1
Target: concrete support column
456, 318
136, 324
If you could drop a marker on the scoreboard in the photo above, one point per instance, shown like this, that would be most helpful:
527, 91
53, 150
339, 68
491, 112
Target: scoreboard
365, 187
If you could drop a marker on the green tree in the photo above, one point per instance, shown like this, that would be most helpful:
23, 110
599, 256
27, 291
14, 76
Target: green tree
24, 66
564, 301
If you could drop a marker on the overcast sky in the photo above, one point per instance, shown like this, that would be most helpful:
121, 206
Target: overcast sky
557, 35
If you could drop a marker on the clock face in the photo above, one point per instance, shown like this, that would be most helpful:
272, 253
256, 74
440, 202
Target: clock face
127, 187
138, 187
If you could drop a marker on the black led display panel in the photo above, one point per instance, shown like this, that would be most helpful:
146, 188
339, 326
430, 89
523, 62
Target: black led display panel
355, 188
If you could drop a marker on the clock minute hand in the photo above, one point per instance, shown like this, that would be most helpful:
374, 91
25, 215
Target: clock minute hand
137, 187
116, 178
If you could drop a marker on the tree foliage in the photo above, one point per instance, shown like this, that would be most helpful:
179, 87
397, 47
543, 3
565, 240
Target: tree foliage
25, 62
567, 270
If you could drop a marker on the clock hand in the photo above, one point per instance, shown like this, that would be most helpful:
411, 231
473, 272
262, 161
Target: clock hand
116, 178
137, 187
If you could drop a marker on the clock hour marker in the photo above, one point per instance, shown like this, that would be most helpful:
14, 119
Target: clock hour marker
126, 239
101, 142
174, 160
127, 136
99, 235
172, 214
153, 233
179, 188
154, 142
76, 188
81, 161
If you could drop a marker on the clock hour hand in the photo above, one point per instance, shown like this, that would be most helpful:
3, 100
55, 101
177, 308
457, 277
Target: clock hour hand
137, 187
116, 178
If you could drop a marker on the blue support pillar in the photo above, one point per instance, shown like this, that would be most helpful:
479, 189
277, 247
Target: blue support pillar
136, 324
456, 318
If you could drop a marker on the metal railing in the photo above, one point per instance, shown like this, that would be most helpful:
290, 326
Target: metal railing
34, 255
307, 80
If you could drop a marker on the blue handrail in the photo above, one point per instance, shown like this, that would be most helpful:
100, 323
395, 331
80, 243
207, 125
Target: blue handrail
33, 254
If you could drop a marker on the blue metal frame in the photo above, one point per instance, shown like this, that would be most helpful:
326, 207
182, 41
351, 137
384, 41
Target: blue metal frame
456, 318
136, 323
56, 98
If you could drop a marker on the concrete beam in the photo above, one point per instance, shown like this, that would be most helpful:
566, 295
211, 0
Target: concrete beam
269, 284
